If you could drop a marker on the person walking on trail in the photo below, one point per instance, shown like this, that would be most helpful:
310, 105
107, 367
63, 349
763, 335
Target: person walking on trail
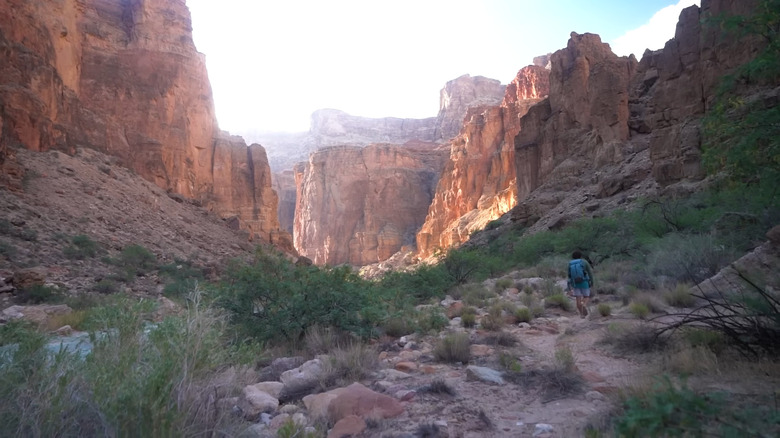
580, 281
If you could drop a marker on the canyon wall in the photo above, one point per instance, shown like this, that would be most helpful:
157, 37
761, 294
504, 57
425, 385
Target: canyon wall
125, 78
614, 129
330, 127
479, 184
360, 205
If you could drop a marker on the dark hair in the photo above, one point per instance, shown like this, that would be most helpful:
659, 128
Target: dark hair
576, 255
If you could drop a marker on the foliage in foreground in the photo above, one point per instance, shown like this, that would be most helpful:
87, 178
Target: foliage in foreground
138, 380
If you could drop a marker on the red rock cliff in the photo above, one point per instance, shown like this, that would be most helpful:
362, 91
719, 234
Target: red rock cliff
361, 205
125, 77
478, 184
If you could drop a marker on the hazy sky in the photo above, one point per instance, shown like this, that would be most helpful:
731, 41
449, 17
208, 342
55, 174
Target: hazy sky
273, 62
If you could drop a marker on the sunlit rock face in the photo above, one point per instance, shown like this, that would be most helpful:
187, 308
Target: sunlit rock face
360, 205
460, 94
125, 77
331, 127
479, 183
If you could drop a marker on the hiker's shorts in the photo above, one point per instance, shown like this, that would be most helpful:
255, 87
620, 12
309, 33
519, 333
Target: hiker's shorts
582, 292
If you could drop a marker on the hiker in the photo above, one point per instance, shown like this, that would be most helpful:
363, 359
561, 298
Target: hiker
580, 281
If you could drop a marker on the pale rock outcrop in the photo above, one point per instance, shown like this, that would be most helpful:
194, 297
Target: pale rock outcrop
460, 94
361, 205
478, 184
125, 78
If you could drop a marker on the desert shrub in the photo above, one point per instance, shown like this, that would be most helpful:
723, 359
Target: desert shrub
106, 286
422, 284
632, 339
431, 319
564, 359
37, 294
273, 300
504, 283
463, 265
494, 320
509, 362
134, 260
748, 318
694, 257
476, 295
523, 314
349, 363
437, 386
138, 380
468, 320
680, 296
537, 310
676, 410
604, 309
552, 266
80, 248
649, 300
398, 326
501, 338
183, 276
5, 227
640, 310
27, 234
7, 250
558, 300
528, 299
454, 347
699, 337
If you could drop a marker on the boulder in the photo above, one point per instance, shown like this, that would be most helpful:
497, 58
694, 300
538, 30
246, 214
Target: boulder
351, 425
255, 402
484, 374
358, 400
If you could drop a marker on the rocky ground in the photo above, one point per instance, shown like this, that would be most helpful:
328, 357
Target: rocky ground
90, 194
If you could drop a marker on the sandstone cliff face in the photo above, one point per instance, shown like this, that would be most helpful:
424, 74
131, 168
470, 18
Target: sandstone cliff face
284, 185
614, 129
478, 184
330, 127
361, 205
675, 86
460, 94
125, 78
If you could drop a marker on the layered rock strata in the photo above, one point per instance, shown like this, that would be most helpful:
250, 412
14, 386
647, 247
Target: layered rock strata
330, 127
361, 205
125, 78
478, 184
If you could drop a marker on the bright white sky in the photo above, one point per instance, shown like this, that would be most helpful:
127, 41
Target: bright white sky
273, 62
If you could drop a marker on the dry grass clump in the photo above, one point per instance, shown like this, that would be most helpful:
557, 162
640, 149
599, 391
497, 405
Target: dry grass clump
503, 284
455, 347
680, 296
438, 386
523, 314
650, 300
640, 310
501, 338
494, 320
558, 300
604, 309
632, 339
476, 295
555, 382
350, 363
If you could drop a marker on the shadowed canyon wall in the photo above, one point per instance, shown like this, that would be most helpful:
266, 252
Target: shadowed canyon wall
124, 77
360, 205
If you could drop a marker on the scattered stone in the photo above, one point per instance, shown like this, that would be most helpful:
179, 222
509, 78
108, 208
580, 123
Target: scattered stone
317, 404
594, 395
279, 420
524, 325
256, 401
289, 409
356, 399
348, 426
405, 394
454, 309
278, 366
274, 389
65, 330
406, 367
395, 375
543, 428
480, 350
302, 376
484, 374
265, 418
592, 377
410, 355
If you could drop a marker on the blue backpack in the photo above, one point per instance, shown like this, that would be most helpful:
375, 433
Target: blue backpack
577, 271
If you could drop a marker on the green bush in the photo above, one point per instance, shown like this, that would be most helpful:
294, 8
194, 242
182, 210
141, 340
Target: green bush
136, 260
558, 300
431, 319
604, 309
700, 337
509, 362
454, 347
523, 314
421, 284
183, 277
106, 286
476, 295
398, 326
680, 296
504, 283
38, 294
275, 301
468, 320
639, 309
80, 248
